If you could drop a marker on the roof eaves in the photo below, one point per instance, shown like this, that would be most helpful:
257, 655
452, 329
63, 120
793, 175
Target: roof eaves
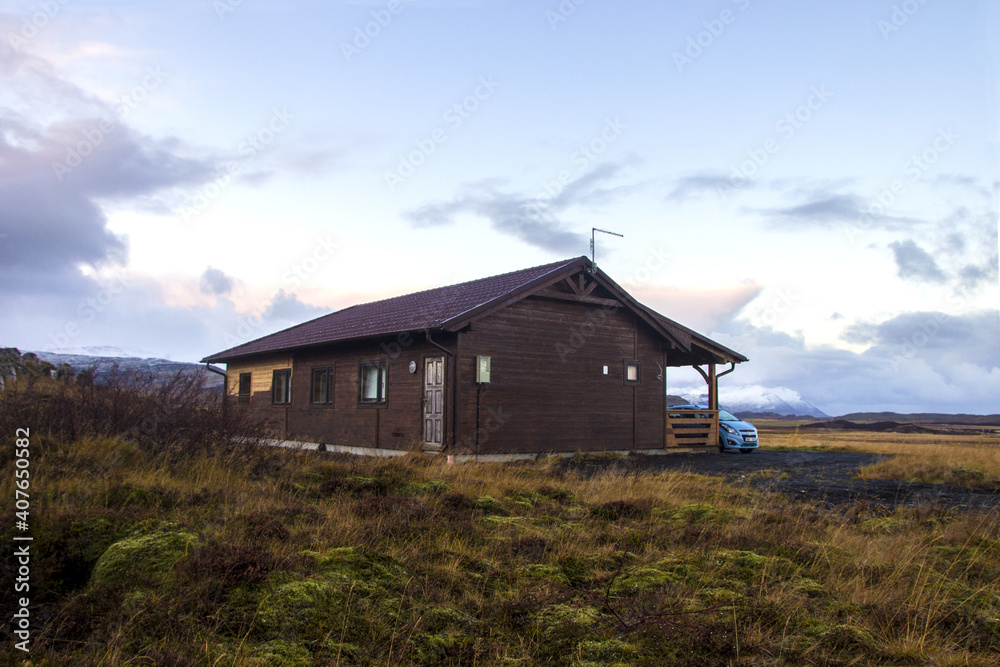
706, 343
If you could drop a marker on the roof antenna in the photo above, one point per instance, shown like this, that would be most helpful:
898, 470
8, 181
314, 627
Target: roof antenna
603, 231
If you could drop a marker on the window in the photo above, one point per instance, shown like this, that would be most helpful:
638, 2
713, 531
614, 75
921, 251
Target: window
371, 383
281, 387
322, 385
631, 372
243, 391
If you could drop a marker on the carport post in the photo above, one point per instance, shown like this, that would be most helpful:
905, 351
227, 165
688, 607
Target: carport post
713, 388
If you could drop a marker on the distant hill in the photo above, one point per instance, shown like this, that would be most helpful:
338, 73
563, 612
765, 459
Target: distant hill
924, 418
102, 365
877, 427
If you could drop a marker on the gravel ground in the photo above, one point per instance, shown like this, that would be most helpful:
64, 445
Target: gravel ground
828, 477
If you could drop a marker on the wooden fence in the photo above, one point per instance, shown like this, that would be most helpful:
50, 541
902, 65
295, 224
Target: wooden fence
692, 428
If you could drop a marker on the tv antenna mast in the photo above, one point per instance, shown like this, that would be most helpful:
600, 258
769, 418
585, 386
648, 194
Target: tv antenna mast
593, 230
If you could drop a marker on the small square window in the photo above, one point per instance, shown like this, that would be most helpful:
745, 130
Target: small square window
632, 372
371, 382
281, 387
243, 390
322, 385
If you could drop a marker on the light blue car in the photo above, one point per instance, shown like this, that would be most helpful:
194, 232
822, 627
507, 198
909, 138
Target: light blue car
735, 435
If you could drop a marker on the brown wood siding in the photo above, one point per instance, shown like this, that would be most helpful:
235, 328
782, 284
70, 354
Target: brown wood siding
396, 424
547, 389
261, 371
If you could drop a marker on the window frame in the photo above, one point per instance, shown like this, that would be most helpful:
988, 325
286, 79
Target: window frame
382, 380
241, 398
632, 363
328, 371
275, 374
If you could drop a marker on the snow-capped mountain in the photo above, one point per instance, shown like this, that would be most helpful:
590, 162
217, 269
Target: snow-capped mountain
753, 398
103, 363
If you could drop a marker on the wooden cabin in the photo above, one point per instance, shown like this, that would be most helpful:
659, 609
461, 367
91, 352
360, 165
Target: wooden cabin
555, 358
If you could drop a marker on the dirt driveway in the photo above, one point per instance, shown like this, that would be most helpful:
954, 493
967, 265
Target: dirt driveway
828, 477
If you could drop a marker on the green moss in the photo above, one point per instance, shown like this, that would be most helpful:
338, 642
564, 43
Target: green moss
608, 652
750, 565
144, 559
279, 652
645, 579
431, 487
505, 520
541, 572
559, 629
560, 614
489, 505
432, 649
698, 513
844, 637
438, 619
577, 571
297, 607
317, 605
719, 596
561, 496
342, 653
369, 572
809, 587
529, 498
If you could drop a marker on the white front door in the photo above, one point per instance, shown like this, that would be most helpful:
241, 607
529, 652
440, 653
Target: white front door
434, 402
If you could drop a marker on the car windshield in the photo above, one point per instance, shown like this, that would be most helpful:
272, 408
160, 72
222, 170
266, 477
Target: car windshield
726, 417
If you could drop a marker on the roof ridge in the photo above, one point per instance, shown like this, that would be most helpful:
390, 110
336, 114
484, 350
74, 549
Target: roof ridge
381, 303
464, 282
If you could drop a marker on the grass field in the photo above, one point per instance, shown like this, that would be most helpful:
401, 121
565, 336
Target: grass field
170, 546
968, 456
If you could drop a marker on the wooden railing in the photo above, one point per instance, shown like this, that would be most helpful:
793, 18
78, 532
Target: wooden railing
692, 428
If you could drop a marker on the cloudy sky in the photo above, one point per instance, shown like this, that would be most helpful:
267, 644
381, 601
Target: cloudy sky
814, 184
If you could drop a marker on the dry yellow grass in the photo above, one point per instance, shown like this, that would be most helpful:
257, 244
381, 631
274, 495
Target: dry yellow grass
969, 457
299, 558
521, 556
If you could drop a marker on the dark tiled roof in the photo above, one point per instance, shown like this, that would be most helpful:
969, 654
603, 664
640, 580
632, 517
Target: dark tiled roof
412, 312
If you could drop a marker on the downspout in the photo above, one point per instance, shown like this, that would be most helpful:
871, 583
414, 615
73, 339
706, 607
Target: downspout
219, 371
427, 334
732, 367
